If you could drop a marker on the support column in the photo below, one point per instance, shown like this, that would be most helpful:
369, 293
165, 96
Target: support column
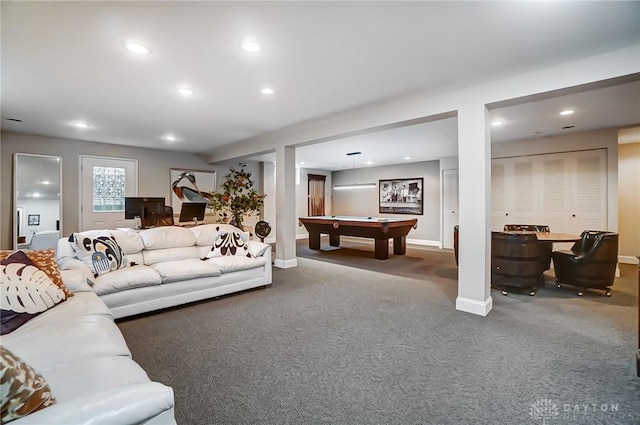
474, 171
286, 220
269, 188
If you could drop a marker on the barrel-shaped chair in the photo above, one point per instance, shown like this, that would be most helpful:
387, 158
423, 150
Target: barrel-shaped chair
515, 262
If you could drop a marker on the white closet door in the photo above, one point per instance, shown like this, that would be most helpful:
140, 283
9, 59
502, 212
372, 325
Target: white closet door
499, 212
450, 206
556, 192
523, 206
589, 209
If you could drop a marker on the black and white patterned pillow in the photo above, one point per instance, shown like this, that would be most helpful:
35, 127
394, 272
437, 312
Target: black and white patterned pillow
101, 253
230, 244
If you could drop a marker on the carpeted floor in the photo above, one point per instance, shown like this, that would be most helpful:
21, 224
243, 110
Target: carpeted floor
330, 343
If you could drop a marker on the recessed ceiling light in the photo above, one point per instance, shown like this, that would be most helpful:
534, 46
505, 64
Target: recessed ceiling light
79, 124
301, 162
45, 182
170, 138
136, 48
35, 195
567, 112
186, 91
407, 157
369, 162
251, 45
497, 123
267, 90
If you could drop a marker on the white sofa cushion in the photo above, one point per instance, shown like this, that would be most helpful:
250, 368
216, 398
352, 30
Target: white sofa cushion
131, 277
130, 241
206, 233
169, 254
235, 263
167, 237
257, 248
191, 268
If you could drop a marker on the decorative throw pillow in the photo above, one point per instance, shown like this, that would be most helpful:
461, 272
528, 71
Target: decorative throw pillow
101, 253
26, 291
229, 244
45, 260
24, 391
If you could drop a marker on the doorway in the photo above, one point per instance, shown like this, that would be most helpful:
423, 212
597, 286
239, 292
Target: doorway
104, 183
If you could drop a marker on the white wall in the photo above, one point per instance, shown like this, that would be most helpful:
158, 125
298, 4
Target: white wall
364, 202
629, 201
153, 167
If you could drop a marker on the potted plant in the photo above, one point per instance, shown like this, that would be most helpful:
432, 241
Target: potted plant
237, 198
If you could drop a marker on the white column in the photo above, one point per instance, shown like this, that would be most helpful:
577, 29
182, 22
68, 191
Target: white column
474, 247
286, 220
269, 188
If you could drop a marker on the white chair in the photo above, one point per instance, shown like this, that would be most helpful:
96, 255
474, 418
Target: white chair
45, 239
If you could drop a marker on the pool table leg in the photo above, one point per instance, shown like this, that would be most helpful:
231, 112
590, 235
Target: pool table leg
334, 240
400, 245
314, 240
382, 249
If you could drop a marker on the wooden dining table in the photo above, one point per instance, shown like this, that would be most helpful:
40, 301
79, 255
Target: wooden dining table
556, 237
547, 240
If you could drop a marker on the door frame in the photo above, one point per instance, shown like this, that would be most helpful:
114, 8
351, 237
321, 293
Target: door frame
442, 208
81, 159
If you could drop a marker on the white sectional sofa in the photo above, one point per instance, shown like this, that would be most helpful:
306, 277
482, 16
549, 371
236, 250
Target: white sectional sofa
78, 349
168, 269
80, 352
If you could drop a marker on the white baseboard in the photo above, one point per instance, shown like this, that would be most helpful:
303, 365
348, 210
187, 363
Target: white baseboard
286, 264
627, 259
424, 242
481, 308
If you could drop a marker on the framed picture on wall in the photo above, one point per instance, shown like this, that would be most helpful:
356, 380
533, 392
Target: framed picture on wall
401, 196
33, 220
191, 186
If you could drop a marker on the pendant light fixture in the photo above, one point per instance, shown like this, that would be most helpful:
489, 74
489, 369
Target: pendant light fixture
353, 185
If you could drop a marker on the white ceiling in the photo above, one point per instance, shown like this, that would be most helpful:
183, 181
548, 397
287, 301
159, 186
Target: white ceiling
66, 61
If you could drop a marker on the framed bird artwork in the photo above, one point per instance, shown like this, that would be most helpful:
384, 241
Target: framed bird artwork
191, 186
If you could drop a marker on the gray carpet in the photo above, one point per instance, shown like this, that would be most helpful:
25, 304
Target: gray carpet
333, 344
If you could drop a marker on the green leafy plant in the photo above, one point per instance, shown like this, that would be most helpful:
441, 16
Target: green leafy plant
238, 197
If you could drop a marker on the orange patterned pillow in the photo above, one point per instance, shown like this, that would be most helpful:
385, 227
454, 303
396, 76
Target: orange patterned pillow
45, 260
24, 391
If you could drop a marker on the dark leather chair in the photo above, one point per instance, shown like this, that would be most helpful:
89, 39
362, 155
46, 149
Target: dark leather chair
455, 242
167, 218
591, 262
515, 262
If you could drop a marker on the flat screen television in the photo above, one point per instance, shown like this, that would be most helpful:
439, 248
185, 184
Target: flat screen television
150, 210
192, 211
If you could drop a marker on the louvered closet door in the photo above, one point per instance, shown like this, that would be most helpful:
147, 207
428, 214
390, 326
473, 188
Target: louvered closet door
498, 195
589, 209
524, 205
556, 192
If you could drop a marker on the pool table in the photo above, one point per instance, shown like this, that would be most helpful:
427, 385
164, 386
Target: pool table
380, 229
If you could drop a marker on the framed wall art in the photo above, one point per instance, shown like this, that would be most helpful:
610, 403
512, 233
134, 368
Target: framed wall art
191, 186
401, 196
33, 220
